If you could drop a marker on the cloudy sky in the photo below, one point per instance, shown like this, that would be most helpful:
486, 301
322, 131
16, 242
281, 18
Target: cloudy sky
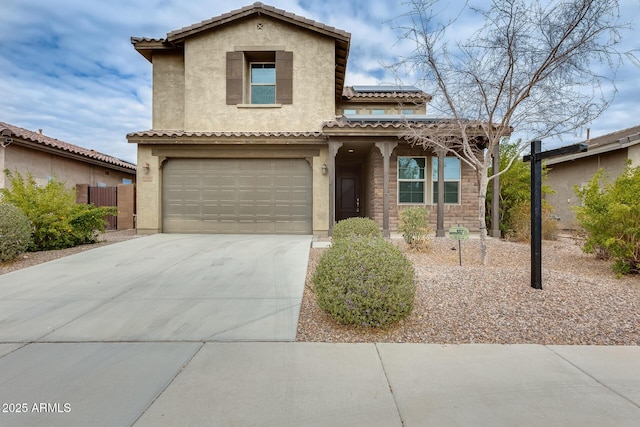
68, 67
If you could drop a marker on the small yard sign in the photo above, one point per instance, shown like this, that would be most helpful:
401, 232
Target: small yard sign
459, 234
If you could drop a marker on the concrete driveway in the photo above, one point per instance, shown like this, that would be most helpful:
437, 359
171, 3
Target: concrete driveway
164, 287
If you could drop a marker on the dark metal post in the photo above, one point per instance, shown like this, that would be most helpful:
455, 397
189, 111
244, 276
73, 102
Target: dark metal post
536, 215
536, 158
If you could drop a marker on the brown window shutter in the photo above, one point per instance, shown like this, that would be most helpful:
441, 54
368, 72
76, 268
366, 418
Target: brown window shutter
235, 62
284, 77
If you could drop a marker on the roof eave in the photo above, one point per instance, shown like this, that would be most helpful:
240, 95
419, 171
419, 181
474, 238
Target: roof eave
621, 144
147, 47
34, 145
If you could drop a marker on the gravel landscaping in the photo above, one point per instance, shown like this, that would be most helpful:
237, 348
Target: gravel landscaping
582, 301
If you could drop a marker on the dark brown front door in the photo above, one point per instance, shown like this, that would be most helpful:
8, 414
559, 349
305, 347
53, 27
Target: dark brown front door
348, 193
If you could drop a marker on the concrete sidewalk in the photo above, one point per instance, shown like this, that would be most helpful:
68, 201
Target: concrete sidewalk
319, 384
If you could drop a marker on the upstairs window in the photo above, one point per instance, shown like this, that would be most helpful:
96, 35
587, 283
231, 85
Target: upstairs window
349, 111
263, 83
259, 77
377, 111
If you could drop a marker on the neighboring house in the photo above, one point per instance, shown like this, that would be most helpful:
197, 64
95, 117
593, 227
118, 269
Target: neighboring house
45, 158
254, 132
609, 152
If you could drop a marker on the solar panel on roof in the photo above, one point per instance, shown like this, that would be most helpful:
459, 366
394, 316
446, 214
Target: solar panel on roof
386, 89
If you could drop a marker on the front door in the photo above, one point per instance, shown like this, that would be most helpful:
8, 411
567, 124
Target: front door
348, 193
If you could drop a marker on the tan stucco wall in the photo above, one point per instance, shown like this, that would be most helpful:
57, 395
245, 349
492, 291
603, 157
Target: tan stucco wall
149, 185
45, 165
320, 194
562, 177
168, 91
205, 74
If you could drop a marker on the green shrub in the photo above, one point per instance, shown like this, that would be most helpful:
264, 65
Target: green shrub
88, 221
515, 188
520, 217
414, 226
610, 216
365, 281
58, 222
355, 227
15, 232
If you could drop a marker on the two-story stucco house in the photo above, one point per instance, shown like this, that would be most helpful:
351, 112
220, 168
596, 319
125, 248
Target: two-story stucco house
254, 131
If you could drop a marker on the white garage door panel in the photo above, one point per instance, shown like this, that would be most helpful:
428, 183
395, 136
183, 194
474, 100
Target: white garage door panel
237, 196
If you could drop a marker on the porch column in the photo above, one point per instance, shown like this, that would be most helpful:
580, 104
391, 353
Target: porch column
386, 148
440, 218
333, 150
495, 194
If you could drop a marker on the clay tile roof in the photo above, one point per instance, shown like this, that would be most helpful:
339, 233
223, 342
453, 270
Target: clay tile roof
257, 8
381, 121
387, 92
154, 133
46, 141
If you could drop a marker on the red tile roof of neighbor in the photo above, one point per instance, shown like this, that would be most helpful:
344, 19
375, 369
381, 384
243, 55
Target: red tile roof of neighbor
46, 141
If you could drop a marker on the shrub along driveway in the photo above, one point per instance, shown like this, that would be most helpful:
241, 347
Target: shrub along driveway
161, 288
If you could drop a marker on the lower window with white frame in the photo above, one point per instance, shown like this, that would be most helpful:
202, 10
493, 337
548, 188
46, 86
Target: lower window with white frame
418, 180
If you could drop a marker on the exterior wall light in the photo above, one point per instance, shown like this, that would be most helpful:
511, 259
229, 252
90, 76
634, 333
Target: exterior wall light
146, 168
324, 169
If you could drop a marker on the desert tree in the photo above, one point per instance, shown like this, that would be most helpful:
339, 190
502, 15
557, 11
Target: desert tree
539, 68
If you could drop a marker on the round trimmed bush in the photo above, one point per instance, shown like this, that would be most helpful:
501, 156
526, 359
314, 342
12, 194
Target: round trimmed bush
365, 281
15, 232
355, 227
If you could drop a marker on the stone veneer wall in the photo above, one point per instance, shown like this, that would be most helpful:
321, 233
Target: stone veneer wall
465, 214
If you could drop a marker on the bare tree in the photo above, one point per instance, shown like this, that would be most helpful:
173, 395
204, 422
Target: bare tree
538, 67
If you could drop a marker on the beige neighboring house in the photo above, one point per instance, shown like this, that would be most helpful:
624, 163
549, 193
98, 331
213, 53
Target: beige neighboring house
44, 157
98, 178
609, 152
253, 131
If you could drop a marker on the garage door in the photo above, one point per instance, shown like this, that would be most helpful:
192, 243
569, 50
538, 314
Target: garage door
237, 196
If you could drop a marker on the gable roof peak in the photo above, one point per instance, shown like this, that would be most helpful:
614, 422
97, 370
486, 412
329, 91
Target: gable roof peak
256, 8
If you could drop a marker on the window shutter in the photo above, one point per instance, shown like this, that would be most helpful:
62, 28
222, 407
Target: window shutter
235, 62
284, 77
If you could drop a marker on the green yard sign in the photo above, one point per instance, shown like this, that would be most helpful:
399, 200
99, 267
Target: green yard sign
459, 233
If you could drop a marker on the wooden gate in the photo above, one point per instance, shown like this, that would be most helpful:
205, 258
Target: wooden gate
105, 196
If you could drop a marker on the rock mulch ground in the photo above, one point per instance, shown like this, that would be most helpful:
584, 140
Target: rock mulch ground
582, 301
